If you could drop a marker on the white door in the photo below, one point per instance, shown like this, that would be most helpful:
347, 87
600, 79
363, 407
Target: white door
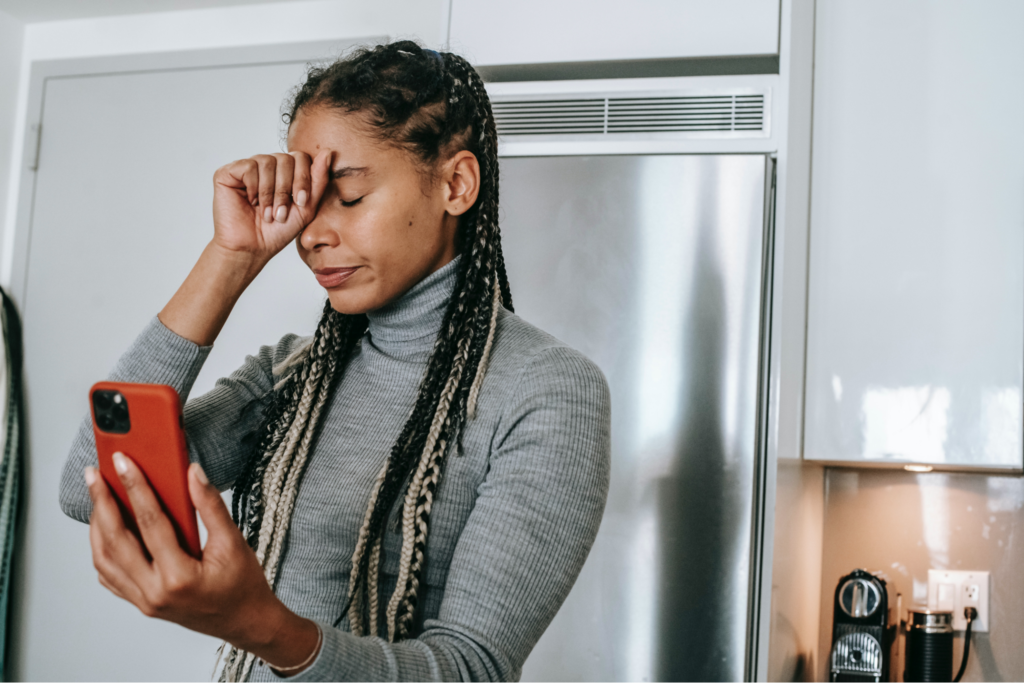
122, 209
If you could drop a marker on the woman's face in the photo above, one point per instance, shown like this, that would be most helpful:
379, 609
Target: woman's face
383, 225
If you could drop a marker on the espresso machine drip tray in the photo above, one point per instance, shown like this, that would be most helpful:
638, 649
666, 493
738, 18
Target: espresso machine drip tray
857, 656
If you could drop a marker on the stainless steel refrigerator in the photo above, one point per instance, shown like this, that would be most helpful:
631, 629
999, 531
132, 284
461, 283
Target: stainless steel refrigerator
654, 266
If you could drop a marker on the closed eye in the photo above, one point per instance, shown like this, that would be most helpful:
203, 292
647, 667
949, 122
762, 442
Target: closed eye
351, 203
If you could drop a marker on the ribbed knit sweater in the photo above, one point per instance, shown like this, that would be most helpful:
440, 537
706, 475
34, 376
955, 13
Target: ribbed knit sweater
514, 516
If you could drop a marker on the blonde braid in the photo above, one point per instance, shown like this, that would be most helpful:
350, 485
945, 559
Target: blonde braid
355, 611
274, 479
374, 581
249, 660
409, 511
404, 622
282, 445
295, 473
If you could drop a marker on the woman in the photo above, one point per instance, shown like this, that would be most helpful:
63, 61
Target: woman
417, 485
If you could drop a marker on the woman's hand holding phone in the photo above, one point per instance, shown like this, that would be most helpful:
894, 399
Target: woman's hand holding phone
224, 594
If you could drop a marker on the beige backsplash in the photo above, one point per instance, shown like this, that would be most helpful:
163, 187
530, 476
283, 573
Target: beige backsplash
904, 524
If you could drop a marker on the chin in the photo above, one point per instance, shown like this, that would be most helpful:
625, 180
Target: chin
354, 303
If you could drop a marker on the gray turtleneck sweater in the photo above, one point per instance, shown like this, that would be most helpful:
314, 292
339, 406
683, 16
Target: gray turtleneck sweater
514, 517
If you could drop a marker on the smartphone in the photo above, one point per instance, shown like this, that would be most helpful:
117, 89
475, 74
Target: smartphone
144, 422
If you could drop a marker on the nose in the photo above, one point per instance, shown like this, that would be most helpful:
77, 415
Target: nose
318, 234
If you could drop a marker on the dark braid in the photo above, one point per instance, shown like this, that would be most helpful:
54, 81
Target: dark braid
433, 105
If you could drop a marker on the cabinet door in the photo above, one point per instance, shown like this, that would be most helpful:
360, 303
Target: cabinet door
534, 31
916, 293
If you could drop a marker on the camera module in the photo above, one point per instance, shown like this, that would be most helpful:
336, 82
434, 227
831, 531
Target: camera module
111, 411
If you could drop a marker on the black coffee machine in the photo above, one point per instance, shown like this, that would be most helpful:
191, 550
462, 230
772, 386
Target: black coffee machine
861, 634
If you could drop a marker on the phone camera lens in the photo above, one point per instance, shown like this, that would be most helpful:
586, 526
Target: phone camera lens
111, 410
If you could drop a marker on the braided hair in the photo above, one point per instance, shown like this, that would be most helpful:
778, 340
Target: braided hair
433, 105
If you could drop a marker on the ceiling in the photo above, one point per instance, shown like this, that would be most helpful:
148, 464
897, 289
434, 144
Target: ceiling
30, 11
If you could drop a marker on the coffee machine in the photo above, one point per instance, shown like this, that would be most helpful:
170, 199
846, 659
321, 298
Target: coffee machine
862, 636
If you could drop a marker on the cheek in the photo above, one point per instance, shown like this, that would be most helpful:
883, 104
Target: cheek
397, 226
375, 232
359, 228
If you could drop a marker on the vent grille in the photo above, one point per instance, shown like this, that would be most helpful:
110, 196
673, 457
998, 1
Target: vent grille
525, 117
729, 114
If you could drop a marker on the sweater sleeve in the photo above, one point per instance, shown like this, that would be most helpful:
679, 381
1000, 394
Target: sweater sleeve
216, 424
535, 519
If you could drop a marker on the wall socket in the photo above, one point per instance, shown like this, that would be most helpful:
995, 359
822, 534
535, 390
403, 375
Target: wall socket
955, 590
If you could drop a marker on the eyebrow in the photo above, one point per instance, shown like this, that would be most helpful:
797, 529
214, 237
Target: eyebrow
346, 171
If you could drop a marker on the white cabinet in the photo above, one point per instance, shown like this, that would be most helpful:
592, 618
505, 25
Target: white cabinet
535, 31
916, 290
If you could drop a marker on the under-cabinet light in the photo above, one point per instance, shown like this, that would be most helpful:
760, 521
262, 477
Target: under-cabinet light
918, 468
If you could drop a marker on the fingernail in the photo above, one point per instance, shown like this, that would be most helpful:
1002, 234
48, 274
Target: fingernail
121, 463
201, 476
268, 214
90, 476
282, 214
300, 198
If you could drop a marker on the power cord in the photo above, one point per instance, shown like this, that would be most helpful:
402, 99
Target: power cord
970, 614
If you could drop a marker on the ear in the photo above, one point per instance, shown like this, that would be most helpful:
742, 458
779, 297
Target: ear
461, 182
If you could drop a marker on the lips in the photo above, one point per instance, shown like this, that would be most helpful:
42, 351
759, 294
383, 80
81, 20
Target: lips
333, 277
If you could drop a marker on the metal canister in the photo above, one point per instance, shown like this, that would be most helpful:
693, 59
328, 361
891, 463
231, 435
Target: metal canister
929, 645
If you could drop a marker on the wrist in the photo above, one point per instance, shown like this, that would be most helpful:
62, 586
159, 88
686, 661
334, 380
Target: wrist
283, 640
295, 669
261, 623
240, 267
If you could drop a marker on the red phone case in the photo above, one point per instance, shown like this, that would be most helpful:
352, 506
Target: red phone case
155, 442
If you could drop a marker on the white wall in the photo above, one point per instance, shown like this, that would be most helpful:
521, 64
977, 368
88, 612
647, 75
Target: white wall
11, 35
425, 20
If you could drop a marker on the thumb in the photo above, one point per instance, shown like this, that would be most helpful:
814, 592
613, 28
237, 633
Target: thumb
208, 503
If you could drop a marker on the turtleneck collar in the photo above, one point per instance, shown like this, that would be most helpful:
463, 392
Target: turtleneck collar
411, 322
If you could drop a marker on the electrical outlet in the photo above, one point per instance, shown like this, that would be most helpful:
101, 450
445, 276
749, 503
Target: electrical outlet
955, 590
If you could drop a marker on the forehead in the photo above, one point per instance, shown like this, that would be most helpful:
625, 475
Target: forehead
341, 132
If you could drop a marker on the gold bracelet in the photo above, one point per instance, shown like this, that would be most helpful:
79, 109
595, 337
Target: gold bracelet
310, 658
